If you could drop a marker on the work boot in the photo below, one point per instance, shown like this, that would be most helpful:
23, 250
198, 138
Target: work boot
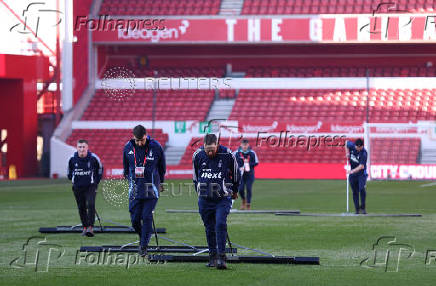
84, 231
247, 207
221, 262
142, 251
243, 204
89, 231
212, 260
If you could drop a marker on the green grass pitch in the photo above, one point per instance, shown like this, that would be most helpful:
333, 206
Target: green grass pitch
340, 242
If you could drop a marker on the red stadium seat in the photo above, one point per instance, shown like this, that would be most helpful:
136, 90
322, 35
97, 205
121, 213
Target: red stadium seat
159, 7
333, 7
276, 104
171, 105
331, 71
383, 150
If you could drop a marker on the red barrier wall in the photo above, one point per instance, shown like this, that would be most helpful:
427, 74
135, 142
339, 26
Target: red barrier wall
263, 171
18, 78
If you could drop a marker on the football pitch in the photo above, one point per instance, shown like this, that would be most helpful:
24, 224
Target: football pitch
344, 244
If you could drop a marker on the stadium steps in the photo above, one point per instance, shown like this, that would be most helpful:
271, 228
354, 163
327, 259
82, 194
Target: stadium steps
231, 7
221, 109
428, 156
95, 7
173, 154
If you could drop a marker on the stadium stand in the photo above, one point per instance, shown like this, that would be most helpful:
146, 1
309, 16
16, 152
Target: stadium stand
395, 150
340, 71
386, 105
188, 104
336, 105
287, 68
106, 142
261, 7
132, 63
175, 71
161, 7
384, 150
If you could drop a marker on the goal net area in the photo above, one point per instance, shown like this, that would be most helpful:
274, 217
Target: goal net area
397, 151
401, 151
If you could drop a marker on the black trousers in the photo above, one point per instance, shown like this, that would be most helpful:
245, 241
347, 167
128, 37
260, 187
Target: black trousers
85, 198
141, 215
214, 215
358, 185
246, 180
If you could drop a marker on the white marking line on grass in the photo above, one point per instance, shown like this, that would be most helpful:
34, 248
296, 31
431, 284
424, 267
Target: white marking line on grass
2, 188
428, 185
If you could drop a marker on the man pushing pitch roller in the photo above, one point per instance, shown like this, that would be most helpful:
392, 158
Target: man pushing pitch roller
216, 179
144, 168
357, 156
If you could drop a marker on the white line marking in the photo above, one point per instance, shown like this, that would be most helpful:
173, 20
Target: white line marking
428, 185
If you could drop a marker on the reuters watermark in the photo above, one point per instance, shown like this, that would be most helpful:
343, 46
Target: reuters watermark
200, 83
118, 193
126, 76
120, 82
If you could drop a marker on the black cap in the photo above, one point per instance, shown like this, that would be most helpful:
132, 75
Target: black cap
244, 140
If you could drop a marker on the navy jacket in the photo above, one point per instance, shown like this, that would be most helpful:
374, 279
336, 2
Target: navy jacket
154, 172
357, 158
84, 172
241, 155
215, 178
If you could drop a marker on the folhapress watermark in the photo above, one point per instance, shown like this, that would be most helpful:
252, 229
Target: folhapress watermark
36, 17
108, 258
387, 254
38, 254
109, 23
271, 139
